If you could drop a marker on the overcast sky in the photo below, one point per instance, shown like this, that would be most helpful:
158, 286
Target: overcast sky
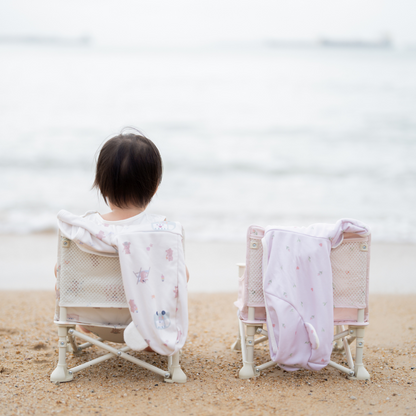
167, 22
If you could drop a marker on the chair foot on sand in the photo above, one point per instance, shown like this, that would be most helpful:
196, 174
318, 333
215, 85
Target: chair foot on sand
248, 371
176, 373
177, 376
360, 373
61, 374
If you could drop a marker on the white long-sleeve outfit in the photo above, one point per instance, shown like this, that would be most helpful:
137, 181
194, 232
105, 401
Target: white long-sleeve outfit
297, 283
153, 270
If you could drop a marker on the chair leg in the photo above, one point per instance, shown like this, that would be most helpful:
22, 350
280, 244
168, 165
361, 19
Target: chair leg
248, 353
176, 373
360, 372
72, 346
61, 373
237, 344
338, 344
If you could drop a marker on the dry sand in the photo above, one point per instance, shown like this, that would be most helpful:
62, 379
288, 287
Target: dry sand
28, 354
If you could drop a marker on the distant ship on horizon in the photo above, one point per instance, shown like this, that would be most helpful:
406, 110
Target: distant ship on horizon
384, 43
82, 40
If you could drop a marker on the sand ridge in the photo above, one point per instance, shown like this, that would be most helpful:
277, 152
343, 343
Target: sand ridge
28, 354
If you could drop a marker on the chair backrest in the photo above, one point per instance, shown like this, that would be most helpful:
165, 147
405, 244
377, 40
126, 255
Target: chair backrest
350, 274
88, 280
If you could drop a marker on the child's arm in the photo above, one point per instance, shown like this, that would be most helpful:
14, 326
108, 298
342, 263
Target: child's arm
187, 274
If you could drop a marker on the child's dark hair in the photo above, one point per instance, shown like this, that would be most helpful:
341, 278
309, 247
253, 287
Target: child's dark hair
129, 170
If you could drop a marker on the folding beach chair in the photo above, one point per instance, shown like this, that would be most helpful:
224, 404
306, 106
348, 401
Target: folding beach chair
350, 274
94, 280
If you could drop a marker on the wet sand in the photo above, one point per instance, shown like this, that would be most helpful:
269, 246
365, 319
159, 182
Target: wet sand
28, 354
27, 261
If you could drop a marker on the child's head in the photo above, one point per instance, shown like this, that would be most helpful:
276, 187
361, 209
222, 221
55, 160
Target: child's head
129, 170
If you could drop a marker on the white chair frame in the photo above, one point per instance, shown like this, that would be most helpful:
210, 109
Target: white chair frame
68, 343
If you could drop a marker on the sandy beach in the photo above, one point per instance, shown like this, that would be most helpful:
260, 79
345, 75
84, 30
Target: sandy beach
28, 347
29, 354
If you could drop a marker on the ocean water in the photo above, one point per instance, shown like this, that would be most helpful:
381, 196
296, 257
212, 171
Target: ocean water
248, 134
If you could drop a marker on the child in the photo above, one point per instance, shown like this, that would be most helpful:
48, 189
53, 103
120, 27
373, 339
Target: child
128, 174
129, 171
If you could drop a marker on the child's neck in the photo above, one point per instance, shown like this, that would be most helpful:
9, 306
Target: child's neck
118, 214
